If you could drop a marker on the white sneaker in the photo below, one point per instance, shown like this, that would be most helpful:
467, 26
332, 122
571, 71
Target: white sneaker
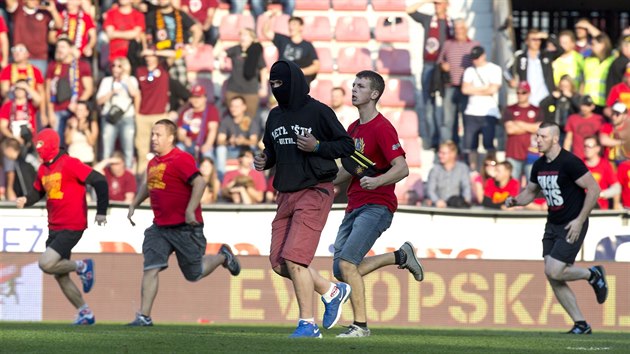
355, 331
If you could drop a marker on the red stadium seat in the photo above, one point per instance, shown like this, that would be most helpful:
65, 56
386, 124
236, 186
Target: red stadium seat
399, 93
392, 29
325, 60
352, 29
349, 5
347, 85
406, 185
232, 24
413, 150
393, 61
270, 53
351, 60
389, 5
312, 4
320, 90
279, 24
408, 124
201, 59
317, 28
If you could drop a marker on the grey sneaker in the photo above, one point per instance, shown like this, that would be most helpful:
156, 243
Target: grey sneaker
231, 263
141, 321
412, 264
355, 331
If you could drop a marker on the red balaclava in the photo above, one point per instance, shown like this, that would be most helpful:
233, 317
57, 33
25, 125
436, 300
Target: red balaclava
47, 144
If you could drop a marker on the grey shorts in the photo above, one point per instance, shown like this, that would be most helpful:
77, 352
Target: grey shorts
187, 241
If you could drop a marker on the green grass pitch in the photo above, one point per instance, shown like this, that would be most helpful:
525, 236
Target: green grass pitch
30, 337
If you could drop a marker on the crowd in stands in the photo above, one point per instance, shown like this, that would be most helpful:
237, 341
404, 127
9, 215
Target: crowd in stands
103, 76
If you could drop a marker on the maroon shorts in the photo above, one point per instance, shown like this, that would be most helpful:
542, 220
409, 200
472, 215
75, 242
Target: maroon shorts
298, 224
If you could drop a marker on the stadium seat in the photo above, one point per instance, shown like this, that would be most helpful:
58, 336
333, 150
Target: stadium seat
413, 149
392, 29
393, 61
270, 52
279, 24
405, 185
317, 28
231, 25
389, 5
200, 60
349, 5
325, 60
320, 90
312, 4
351, 60
352, 29
347, 85
408, 124
399, 93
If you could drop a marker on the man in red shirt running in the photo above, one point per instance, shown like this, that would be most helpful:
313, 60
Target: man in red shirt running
371, 198
62, 180
175, 187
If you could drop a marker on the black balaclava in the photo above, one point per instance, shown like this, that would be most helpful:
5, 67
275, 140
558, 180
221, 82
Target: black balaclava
281, 71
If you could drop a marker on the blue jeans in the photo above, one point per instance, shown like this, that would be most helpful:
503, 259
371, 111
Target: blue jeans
454, 104
41, 64
258, 7
124, 130
520, 167
358, 232
428, 122
62, 117
475, 125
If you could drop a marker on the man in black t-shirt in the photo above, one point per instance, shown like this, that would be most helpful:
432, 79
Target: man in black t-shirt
571, 193
293, 47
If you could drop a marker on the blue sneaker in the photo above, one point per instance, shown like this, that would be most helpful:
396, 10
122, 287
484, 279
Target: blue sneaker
85, 317
306, 329
333, 308
87, 275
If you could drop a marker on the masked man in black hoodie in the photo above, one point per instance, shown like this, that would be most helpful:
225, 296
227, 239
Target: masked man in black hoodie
302, 140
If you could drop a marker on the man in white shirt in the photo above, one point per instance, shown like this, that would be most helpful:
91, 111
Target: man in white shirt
481, 82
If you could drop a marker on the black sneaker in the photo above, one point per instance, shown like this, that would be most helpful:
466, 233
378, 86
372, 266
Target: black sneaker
231, 263
577, 329
599, 283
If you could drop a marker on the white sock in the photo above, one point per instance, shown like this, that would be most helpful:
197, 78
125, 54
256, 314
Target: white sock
80, 266
309, 320
328, 295
84, 307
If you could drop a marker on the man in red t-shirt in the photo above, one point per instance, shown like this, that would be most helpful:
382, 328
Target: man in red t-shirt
20, 113
62, 180
371, 200
121, 182
619, 93
503, 185
68, 81
613, 136
198, 125
122, 24
603, 172
582, 125
244, 185
79, 27
521, 121
175, 186
31, 22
